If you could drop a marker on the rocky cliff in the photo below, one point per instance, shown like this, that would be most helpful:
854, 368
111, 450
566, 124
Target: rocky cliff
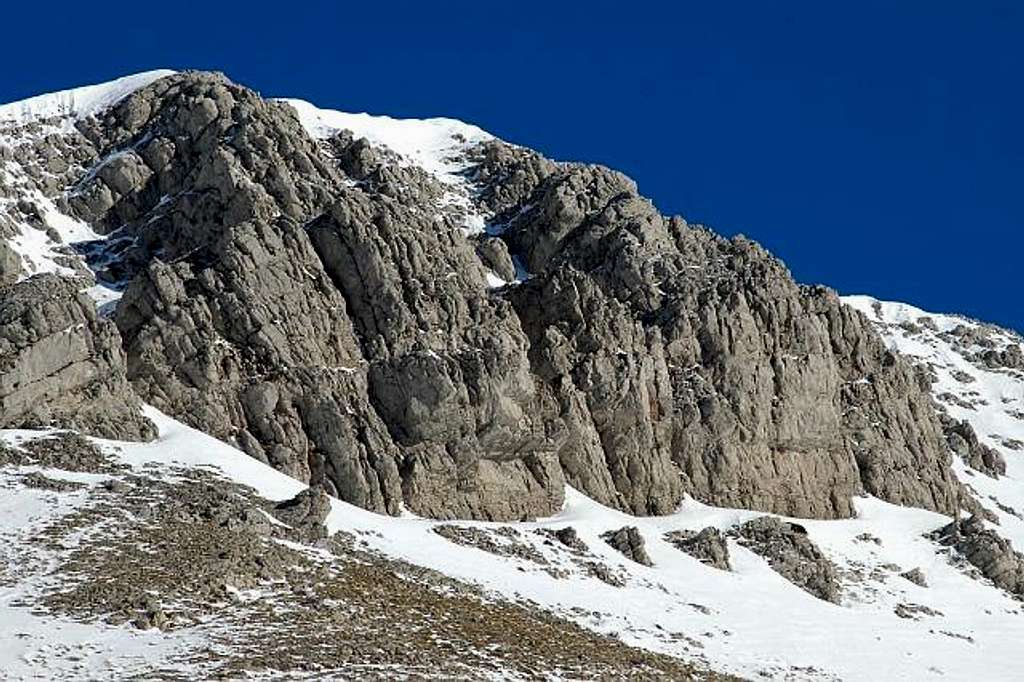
465, 342
62, 364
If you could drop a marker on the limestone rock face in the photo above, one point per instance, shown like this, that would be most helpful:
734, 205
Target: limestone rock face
235, 327
62, 365
321, 305
447, 362
316, 324
683, 362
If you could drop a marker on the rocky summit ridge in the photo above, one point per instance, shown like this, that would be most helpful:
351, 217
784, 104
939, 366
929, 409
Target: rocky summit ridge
463, 337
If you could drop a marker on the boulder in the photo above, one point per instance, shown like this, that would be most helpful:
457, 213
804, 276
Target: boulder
630, 543
986, 550
306, 513
707, 546
790, 553
916, 576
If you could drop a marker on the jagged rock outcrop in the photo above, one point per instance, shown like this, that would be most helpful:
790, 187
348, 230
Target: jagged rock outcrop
318, 304
707, 546
62, 365
986, 550
570, 538
311, 322
630, 543
791, 554
1010, 357
964, 442
685, 362
229, 322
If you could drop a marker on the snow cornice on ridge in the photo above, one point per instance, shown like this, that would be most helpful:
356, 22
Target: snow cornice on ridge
78, 102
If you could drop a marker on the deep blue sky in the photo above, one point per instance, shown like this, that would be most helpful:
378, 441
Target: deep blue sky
876, 148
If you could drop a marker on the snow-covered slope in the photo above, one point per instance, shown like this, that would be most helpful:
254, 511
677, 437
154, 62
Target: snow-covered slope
987, 394
80, 102
437, 145
749, 621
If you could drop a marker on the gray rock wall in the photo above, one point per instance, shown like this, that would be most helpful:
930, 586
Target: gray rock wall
691, 363
62, 365
317, 305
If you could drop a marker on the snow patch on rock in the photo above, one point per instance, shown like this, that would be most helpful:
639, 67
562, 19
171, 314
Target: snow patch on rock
436, 145
78, 103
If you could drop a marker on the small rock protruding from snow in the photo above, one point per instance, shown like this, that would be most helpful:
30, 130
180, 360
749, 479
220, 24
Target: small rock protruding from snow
707, 546
788, 550
630, 543
987, 551
916, 576
570, 538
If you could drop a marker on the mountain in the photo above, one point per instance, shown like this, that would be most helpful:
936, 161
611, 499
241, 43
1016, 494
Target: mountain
499, 417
